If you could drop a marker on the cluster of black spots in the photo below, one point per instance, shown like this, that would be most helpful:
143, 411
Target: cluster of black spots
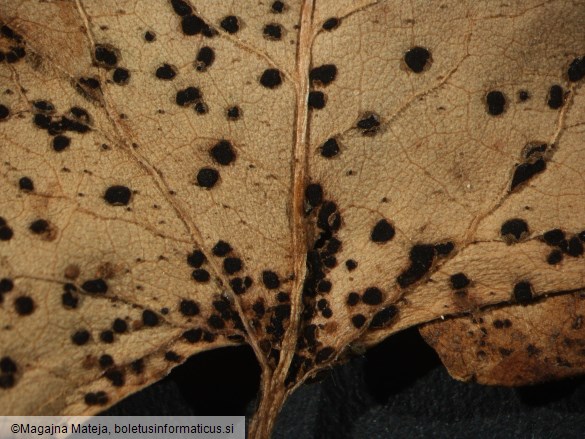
207, 177
6, 232
26, 184
221, 249
96, 398
323, 307
233, 113
95, 286
271, 78
117, 195
223, 153
39, 226
188, 308
421, 260
270, 280
373, 296
200, 275
384, 317
523, 292
298, 363
4, 112
69, 297
323, 355
495, 102
119, 326
329, 218
16, 52
121, 76
418, 59
204, 59
280, 314
330, 148
272, 31
556, 97
382, 232
187, 96
514, 230
459, 281
6, 286
331, 23
196, 259
106, 56
80, 337
316, 100
576, 70
150, 318
165, 72
149, 36
24, 305
107, 336
277, 7
231, 24
115, 376
190, 23
572, 246
323, 75
523, 95
369, 124
502, 324
240, 285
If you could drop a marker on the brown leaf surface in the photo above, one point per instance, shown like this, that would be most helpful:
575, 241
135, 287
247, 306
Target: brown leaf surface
449, 142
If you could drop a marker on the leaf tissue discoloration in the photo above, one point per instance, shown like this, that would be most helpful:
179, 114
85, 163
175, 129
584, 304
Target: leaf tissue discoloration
301, 176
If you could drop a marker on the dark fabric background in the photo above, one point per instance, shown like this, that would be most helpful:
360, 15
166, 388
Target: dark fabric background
399, 389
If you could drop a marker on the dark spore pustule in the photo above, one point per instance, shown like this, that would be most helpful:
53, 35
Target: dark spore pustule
514, 230
421, 260
417, 59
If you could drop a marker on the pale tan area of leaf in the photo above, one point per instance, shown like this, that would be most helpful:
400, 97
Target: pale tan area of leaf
439, 168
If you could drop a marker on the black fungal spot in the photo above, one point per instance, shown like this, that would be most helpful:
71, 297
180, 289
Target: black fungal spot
314, 194
149, 318
556, 97
118, 195
514, 230
576, 70
97, 398
353, 299
95, 286
115, 376
459, 281
523, 95
324, 286
121, 76
574, 247
188, 308
119, 326
382, 232
270, 280
272, 31
350, 264
223, 153
444, 249
271, 78
523, 292
417, 59
6, 232
323, 355
107, 336
193, 25
554, 237
372, 296
24, 305
421, 259
69, 300
232, 265
60, 143
7, 365
6, 285
328, 218
330, 148
369, 123
201, 108
181, 7
554, 257
316, 100
331, 23
26, 184
105, 56
137, 366
172, 357
80, 337
7, 381
44, 106
39, 226
358, 320
233, 113
207, 177
324, 74
384, 317
196, 258
496, 102
193, 335
187, 96
149, 36
277, 7
90, 83
231, 24
216, 322
205, 58
221, 248
525, 171
200, 275
4, 112
166, 71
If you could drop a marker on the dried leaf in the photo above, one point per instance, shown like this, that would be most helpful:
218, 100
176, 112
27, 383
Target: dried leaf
305, 177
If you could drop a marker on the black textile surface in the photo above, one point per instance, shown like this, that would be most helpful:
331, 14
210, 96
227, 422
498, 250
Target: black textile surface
398, 389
